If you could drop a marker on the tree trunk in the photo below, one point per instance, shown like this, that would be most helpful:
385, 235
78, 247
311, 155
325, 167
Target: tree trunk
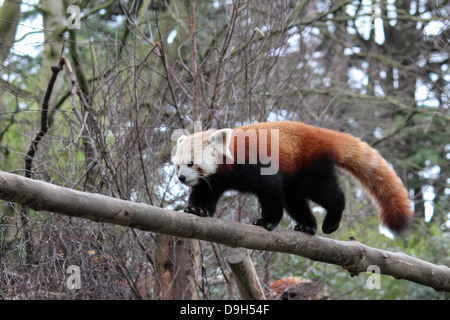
176, 265
9, 17
187, 266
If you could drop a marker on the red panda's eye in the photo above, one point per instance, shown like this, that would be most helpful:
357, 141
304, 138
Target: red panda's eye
190, 164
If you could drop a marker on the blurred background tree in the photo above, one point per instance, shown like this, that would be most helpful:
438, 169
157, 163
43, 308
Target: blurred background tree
376, 69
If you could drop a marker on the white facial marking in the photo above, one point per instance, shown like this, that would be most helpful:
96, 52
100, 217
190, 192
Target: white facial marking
195, 157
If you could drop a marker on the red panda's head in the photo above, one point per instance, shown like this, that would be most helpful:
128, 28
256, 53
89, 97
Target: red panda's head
198, 155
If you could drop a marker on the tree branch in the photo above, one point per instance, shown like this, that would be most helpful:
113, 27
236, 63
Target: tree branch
44, 113
244, 272
351, 255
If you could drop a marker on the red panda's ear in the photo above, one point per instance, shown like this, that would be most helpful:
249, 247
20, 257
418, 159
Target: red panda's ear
180, 139
220, 140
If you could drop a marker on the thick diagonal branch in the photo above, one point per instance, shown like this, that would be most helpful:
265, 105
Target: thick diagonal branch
350, 255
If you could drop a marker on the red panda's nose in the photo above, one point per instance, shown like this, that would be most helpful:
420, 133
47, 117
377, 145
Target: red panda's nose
182, 178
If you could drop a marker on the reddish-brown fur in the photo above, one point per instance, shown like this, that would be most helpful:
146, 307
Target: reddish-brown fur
300, 145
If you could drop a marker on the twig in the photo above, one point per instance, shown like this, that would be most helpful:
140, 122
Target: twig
224, 50
76, 91
29, 157
194, 61
162, 55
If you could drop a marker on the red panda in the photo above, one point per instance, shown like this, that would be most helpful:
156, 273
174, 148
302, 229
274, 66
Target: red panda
300, 164
297, 288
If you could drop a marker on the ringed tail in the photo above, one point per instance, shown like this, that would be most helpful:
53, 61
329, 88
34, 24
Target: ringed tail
378, 178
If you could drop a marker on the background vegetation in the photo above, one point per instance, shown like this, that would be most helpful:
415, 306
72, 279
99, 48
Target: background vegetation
376, 69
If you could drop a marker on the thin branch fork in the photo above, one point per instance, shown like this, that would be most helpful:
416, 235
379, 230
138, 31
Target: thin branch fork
44, 114
351, 255
83, 120
63, 61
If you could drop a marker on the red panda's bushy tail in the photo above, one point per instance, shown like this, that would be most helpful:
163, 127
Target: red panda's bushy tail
378, 179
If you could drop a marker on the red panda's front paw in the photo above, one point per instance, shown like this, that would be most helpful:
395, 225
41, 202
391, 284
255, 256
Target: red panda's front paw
197, 211
265, 224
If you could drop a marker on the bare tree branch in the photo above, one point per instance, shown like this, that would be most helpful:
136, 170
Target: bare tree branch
351, 255
245, 274
44, 113
194, 60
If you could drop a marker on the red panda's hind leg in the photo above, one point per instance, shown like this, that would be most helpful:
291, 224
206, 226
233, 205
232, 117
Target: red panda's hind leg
334, 213
325, 191
297, 207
